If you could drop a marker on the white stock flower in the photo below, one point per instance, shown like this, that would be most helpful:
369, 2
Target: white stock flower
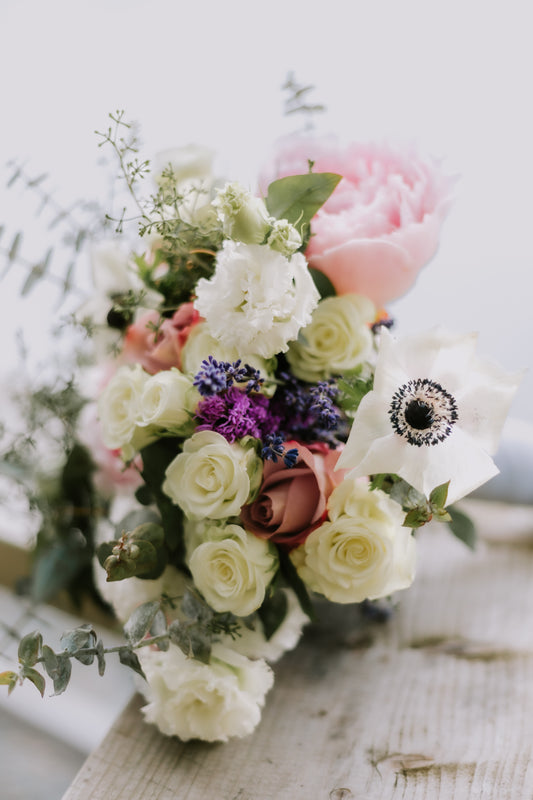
126, 595
257, 300
363, 555
213, 702
119, 406
244, 217
252, 642
200, 345
435, 414
337, 339
232, 569
168, 401
211, 477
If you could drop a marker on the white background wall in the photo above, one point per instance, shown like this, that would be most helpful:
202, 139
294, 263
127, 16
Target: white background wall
455, 77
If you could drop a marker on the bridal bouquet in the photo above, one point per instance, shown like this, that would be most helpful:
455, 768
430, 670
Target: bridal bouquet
258, 437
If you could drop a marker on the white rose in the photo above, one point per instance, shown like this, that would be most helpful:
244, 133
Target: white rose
213, 702
232, 569
168, 401
257, 300
244, 217
252, 642
119, 406
211, 477
363, 555
338, 338
200, 345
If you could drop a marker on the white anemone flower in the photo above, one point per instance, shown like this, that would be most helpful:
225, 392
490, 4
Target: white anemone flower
435, 414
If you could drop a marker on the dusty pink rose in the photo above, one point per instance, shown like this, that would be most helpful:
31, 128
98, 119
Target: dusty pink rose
156, 351
291, 502
381, 224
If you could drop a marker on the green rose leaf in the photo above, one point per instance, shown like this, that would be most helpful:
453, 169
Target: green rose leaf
322, 283
462, 527
272, 613
297, 198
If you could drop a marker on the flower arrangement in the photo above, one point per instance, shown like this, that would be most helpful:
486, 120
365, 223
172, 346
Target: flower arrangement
258, 436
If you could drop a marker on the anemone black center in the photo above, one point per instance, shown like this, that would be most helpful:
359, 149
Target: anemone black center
419, 414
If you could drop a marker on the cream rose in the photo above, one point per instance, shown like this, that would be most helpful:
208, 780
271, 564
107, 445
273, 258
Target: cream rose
363, 555
168, 401
232, 569
119, 406
337, 339
213, 702
211, 478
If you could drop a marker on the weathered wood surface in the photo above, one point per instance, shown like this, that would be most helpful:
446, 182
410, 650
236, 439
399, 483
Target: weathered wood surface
435, 705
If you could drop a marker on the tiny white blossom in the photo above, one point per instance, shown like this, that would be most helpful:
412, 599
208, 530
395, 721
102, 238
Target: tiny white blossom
435, 414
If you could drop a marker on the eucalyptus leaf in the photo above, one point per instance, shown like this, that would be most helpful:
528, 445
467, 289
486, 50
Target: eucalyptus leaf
129, 659
100, 657
78, 639
61, 676
30, 648
34, 677
141, 620
9, 679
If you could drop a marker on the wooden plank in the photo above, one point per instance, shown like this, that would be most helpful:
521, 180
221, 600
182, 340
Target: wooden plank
434, 705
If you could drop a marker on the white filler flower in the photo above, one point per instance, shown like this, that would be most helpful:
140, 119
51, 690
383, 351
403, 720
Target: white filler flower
258, 299
435, 414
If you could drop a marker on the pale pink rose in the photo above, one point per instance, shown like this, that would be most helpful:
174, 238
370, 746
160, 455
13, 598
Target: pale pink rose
111, 475
292, 501
381, 224
161, 349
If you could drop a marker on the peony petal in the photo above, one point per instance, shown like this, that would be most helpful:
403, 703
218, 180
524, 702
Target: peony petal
380, 270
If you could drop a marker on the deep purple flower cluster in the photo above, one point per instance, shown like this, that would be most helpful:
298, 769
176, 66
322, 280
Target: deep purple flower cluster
235, 414
307, 412
274, 449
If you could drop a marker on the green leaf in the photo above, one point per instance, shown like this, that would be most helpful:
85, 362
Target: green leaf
140, 621
322, 283
416, 517
288, 570
30, 648
192, 640
438, 496
272, 613
462, 527
100, 657
50, 660
129, 659
35, 677
9, 679
297, 198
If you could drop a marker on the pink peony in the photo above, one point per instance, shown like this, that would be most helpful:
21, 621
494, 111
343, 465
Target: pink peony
381, 224
292, 501
156, 351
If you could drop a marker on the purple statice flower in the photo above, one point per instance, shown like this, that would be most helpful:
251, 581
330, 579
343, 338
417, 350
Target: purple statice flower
235, 414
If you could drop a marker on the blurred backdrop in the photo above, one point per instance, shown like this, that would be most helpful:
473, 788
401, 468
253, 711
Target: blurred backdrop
453, 78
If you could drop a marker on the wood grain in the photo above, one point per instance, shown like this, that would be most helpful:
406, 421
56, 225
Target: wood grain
436, 704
